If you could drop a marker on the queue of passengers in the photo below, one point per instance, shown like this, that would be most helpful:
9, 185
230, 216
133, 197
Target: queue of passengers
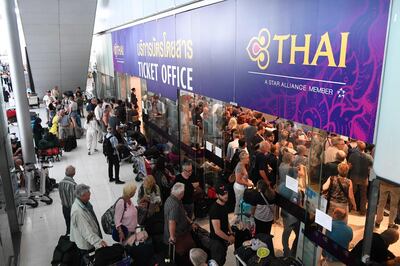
259, 153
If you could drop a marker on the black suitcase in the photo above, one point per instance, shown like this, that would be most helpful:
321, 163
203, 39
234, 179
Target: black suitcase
109, 255
66, 253
141, 253
202, 239
70, 143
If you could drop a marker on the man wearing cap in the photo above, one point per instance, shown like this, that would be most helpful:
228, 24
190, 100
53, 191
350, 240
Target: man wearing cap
221, 235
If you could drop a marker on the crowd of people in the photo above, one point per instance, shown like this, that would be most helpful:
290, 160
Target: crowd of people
260, 154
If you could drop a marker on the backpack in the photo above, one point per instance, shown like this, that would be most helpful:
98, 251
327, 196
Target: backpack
107, 219
108, 150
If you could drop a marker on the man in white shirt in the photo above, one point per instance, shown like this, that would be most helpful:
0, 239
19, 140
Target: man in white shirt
85, 228
47, 100
337, 145
232, 146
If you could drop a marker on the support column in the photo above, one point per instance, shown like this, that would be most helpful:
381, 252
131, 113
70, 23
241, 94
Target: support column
18, 80
5, 166
370, 220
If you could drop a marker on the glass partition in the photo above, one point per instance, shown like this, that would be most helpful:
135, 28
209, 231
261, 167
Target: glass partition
202, 136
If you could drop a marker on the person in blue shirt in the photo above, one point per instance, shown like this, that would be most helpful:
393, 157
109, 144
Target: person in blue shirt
341, 233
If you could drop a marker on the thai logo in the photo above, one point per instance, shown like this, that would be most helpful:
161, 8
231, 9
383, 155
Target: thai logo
118, 50
293, 45
258, 48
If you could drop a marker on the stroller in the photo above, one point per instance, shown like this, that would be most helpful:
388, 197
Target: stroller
143, 161
138, 162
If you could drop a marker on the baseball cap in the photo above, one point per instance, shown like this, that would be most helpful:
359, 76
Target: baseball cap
221, 190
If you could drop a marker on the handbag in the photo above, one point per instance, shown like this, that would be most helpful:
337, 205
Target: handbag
270, 193
115, 233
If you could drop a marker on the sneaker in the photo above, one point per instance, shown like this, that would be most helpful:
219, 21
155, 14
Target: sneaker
96, 150
393, 226
111, 179
88, 153
119, 182
377, 225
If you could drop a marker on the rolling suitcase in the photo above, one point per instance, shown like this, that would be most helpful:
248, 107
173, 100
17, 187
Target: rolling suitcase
70, 143
170, 259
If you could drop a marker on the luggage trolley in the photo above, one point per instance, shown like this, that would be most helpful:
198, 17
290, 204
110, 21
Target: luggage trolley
36, 176
22, 197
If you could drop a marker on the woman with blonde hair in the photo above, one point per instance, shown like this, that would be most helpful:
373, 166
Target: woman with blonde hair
149, 197
125, 216
340, 190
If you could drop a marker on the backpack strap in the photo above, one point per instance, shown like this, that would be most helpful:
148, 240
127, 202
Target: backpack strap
120, 198
342, 189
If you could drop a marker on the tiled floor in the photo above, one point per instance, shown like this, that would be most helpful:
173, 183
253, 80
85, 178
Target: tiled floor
44, 224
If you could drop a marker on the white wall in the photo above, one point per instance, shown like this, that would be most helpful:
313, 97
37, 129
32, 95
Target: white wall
102, 47
58, 35
114, 13
387, 160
